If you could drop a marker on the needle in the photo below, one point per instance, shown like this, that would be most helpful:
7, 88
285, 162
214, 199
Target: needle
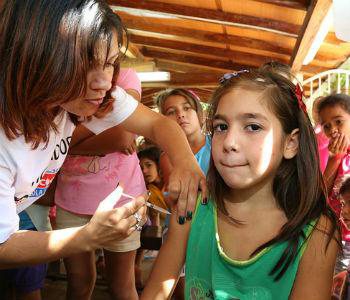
155, 207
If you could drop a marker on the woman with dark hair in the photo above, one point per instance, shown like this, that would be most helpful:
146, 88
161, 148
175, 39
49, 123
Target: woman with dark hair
58, 61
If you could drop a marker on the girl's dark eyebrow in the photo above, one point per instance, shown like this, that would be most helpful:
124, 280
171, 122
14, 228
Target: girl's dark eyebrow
219, 117
254, 116
243, 116
335, 117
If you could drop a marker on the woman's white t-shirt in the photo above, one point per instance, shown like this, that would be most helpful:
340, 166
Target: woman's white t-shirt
26, 173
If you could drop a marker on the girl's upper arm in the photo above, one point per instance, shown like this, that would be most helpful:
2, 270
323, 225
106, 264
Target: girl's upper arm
315, 273
169, 263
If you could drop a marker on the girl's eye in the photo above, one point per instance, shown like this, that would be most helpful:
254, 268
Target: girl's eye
109, 65
170, 112
338, 122
220, 127
253, 127
326, 127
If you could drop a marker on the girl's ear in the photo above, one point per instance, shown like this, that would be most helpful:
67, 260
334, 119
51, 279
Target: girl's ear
291, 144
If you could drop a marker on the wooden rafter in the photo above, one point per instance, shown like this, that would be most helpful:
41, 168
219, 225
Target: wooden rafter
185, 39
237, 56
192, 59
181, 67
140, 24
297, 4
133, 52
314, 17
149, 91
210, 15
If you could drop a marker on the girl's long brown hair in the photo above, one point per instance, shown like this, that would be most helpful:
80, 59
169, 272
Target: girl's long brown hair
298, 186
46, 50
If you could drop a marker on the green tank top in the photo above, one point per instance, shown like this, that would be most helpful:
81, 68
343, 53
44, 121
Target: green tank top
210, 274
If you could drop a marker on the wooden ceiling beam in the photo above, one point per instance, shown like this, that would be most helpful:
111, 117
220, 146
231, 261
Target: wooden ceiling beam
192, 59
188, 67
246, 60
148, 92
181, 67
148, 102
236, 56
133, 52
311, 69
195, 79
314, 17
142, 24
297, 4
209, 15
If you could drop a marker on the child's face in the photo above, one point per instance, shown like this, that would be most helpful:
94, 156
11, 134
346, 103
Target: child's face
149, 170
248, 140
335, 120
345, 210
177, 108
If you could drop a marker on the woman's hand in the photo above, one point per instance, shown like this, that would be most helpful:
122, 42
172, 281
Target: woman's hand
186, 178
184, 183
109, 224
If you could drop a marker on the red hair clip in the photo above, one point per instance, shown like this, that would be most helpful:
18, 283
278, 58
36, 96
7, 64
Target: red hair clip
299, 95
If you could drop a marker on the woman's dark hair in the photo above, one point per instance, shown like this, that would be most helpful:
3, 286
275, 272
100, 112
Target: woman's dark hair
298, 186
189, 95
46, 50
151, 153
342, 100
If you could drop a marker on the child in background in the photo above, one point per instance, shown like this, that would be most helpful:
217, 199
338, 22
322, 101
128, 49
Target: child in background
334, 115
184, 107
83, 182
149, 162
266, 232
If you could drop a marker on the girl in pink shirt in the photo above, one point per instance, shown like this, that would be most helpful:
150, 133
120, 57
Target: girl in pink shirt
84, 181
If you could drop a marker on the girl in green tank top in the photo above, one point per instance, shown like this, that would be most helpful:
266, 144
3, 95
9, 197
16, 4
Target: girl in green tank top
266, 232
